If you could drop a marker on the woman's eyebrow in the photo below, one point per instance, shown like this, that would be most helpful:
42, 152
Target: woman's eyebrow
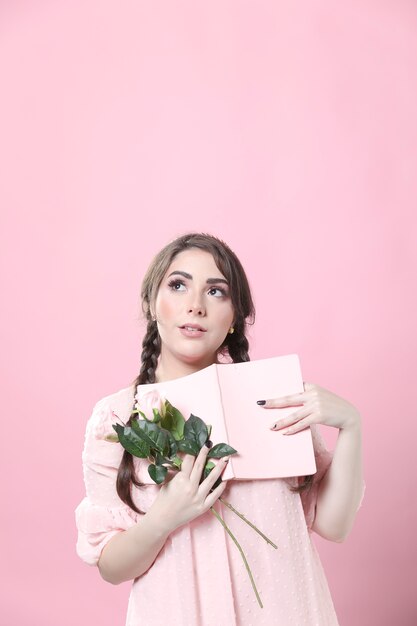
209, 281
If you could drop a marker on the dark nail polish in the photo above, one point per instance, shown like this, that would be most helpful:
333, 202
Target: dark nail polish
209, 443
261, 402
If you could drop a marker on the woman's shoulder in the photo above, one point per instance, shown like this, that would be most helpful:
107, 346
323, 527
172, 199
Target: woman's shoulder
121, 400
112, 408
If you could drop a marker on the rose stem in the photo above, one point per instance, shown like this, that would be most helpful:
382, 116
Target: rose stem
222, 522
232, 508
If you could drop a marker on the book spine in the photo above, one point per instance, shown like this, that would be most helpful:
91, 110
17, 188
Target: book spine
230, 472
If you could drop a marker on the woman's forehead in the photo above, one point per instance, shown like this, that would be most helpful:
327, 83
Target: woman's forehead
195, 261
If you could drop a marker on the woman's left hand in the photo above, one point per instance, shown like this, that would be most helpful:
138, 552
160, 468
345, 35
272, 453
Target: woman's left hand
317, 406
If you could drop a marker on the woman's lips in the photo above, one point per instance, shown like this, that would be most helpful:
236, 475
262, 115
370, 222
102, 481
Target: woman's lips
193, 333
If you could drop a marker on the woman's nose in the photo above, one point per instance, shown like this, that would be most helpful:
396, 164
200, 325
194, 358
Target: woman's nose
196, 307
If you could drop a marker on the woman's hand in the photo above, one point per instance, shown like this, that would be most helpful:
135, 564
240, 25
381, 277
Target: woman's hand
317, 406
183, 498
341, 488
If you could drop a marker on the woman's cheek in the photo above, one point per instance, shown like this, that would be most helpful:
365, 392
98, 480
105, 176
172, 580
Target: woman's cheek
228, 317
165, 309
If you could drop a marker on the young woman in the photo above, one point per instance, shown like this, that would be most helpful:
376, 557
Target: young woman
197, 303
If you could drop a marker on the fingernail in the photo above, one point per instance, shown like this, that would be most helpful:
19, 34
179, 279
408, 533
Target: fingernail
273, 426
226, 459
261, 402
209, 443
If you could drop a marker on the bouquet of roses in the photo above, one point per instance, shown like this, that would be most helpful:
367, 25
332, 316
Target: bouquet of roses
160, 435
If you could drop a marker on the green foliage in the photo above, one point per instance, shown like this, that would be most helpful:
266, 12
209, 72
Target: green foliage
173, 445
131, 442
156, 416
220, 450
207, 469
173, 421
177, 462
190, 447
160, 440
155, 436
196, 430
157, 473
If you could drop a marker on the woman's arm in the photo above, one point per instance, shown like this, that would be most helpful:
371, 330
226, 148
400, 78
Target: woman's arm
341, 488
130, 553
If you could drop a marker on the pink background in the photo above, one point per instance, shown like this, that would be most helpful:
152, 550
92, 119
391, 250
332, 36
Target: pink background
289, 130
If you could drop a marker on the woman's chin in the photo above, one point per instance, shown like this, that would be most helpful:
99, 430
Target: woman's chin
197, 358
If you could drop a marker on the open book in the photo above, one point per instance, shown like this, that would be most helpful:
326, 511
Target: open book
225, 396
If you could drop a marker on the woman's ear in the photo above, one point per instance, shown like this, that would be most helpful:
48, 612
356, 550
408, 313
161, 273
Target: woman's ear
152, 313
147, 309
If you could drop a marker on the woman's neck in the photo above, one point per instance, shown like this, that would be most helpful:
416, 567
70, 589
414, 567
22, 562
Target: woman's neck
169, 367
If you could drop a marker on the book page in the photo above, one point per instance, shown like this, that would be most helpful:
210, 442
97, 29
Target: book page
264, 453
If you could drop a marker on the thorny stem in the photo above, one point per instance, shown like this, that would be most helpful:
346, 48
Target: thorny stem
239, 547
232, 508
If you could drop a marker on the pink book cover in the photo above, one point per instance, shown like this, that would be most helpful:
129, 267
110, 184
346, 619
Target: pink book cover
225, 395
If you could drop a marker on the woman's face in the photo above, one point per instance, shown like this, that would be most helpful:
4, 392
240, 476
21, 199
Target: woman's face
193, 293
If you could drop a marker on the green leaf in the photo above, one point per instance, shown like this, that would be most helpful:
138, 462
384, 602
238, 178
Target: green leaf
157, 473
196, 430
207, 469
220, 450
156, 416
173, 421
177, 461
159, 459
190, 447
173, 445
152, 434
208, 430
131, 442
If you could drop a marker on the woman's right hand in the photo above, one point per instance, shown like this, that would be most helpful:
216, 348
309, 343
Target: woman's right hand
183, 498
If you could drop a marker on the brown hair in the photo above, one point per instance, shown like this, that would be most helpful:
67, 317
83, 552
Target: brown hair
235, 345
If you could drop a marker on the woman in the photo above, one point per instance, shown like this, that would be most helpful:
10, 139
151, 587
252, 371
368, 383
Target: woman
197, 303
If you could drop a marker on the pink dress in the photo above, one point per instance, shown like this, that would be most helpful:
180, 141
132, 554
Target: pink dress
204, 578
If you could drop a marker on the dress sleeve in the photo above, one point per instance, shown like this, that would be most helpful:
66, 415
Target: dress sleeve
323, 459
101, 514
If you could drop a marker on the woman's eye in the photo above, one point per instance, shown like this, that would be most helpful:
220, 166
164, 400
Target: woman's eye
221, 291
174, 284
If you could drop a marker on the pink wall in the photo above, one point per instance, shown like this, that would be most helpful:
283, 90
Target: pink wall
288, 129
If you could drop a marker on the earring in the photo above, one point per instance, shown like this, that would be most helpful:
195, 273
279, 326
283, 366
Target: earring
231, 330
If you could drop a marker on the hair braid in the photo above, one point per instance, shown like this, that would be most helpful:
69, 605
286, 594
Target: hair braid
151, 348
238, 345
